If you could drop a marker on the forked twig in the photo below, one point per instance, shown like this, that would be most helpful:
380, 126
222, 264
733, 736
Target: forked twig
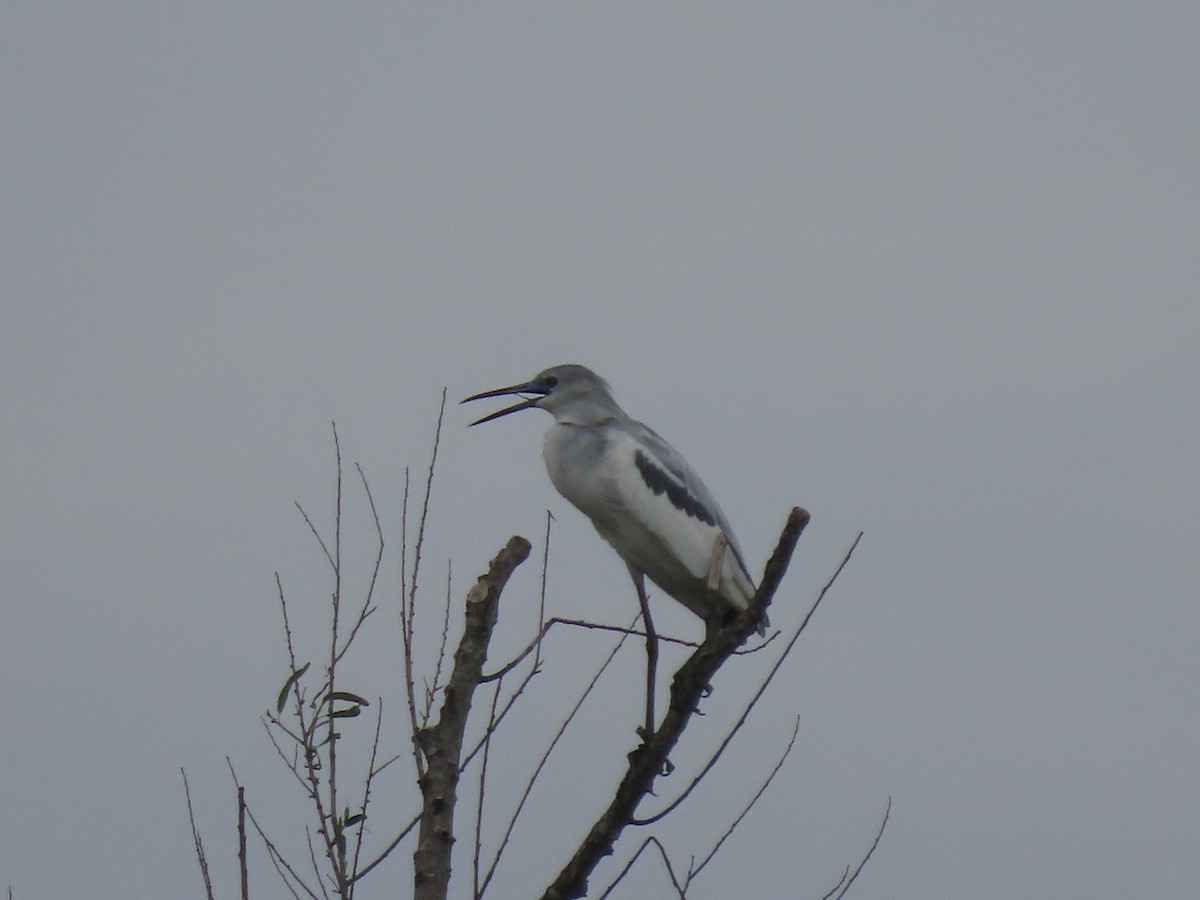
651, 841
839, 890
366, 609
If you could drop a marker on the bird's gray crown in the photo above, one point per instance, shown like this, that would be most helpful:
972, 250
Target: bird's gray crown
577, 395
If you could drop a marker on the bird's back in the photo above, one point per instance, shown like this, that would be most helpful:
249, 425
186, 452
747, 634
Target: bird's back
653, 509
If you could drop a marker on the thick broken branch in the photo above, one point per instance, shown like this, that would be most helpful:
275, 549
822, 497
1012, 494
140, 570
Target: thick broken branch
441, 744
690, 684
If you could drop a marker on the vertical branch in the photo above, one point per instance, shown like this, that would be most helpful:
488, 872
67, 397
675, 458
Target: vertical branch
406, 635
360, 818
420, 541
335, 847
537, 653
409, 608
241, 830
431, 688
477, 887
442, 743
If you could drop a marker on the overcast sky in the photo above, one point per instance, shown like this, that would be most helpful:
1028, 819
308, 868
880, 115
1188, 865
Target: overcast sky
929, 270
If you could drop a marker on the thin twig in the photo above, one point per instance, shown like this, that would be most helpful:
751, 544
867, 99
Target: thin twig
334, 849
311, 777
410, 609
367, 609
562, 729
694, 871
406, 636
477, 889
509, 704
628, 630
312, 859
282, 867
420, 542
366, 795
196, 840
537, 656
651, 841
431, 690
845, 883
320, 540
387, 851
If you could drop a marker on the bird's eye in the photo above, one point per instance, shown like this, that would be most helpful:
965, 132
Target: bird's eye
550, 381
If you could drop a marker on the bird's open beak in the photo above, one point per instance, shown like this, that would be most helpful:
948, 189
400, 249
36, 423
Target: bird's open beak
528, 387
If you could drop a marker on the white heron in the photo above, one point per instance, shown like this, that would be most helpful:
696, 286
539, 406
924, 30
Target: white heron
640, 494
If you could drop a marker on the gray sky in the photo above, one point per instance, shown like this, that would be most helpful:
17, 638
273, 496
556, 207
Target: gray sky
929, 271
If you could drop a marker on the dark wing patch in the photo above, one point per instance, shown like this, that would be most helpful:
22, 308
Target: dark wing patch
662, 483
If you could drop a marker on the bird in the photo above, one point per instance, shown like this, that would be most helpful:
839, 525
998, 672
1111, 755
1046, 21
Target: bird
639, 492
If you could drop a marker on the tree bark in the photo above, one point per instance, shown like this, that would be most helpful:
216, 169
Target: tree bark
441, 743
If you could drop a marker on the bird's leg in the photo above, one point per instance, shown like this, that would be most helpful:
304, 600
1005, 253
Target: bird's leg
651, 650
716, 561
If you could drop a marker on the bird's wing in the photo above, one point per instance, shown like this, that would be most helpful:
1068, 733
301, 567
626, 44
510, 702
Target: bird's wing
658, 486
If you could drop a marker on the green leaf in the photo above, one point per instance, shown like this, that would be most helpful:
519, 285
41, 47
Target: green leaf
348, 697
288, 685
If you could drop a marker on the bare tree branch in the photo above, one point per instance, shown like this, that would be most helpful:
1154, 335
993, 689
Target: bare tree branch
839, 890
546, 626
537, 657
537, 771
408, 605
441, 744
762, 688
690, 684
368, 781
366, 609
695, 870
481, 796
199, 844
286, 873
431, 689
654, 842
307, 737
335, 849
243, 870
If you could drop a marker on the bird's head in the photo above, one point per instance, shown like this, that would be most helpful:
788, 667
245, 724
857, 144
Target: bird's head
570, 393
